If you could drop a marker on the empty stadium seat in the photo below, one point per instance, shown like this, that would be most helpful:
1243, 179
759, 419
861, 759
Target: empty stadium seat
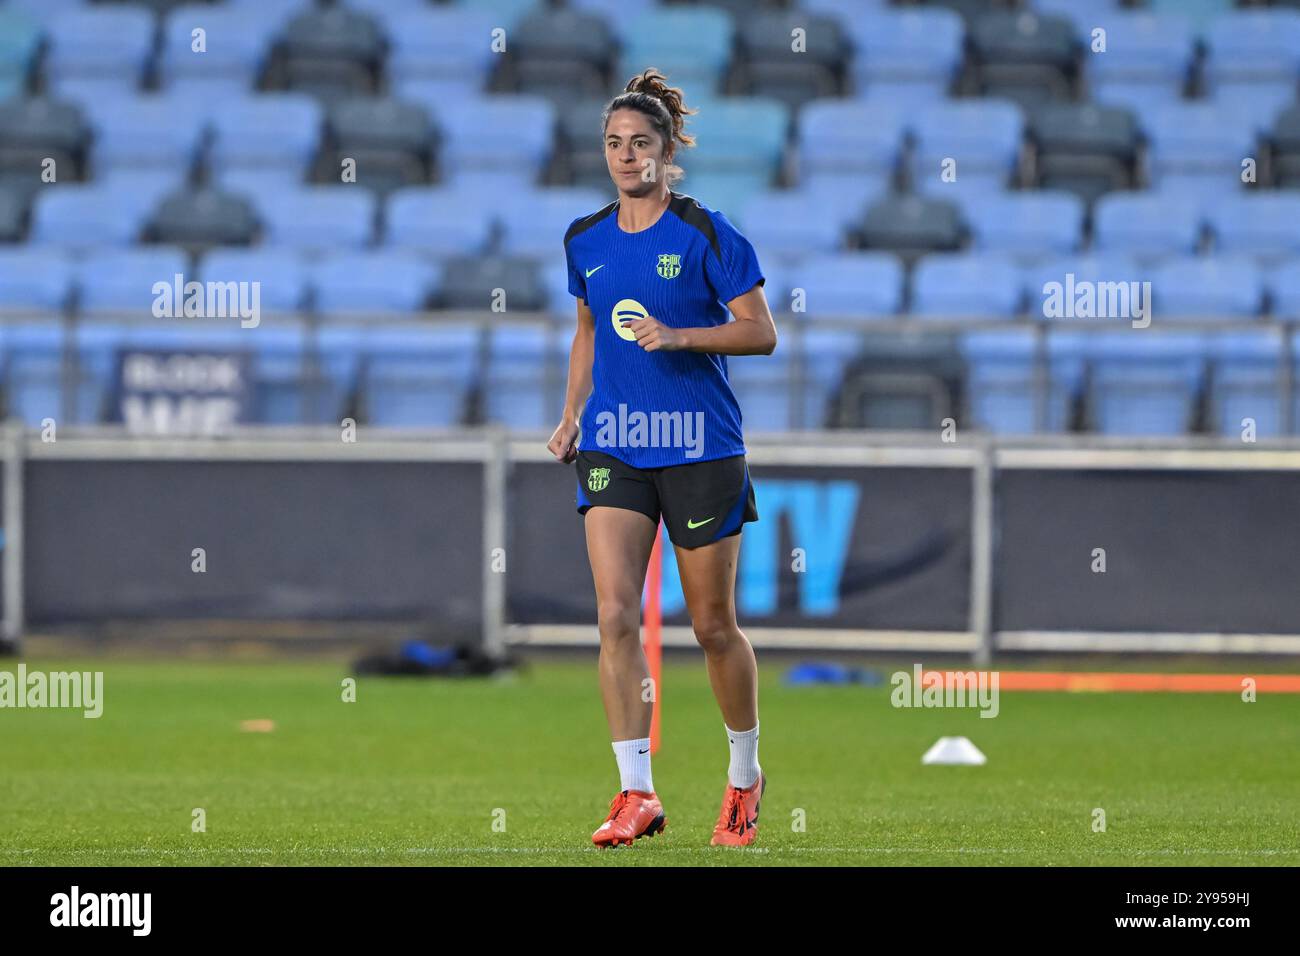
320, 217
1085, 148
1245, 373
983, 137
504, 137
280, 274
1003, 379
911, 55
692, 45
1208, 287
34, 278
123, 280
784, 223
1024, 56
471, 282
418, 375
537, 221
77, 46
236, 44
1146, 224
849, 285
199, 218
330, 52
1029, 224
439, 221
912, 225
844, 143
518, 383
1143, 384
268, 130
77, 215
440, 42
371, 284
146, 131
966, 285
1263, 223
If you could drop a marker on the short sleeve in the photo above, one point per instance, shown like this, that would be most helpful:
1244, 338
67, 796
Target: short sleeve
577, 284
734, 269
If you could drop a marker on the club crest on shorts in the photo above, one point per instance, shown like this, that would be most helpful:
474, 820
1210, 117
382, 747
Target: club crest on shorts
670, 265
597, 479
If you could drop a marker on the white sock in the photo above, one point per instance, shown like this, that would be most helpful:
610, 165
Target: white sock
744, 769
633, 758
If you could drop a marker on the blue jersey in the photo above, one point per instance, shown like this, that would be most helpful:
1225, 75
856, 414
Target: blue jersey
656, 409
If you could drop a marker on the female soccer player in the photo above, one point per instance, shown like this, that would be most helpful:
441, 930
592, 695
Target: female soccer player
655, 274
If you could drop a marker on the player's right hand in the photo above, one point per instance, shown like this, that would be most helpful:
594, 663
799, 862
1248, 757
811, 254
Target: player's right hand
563, 444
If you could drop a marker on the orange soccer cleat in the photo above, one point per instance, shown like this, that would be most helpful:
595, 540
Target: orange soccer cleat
738, 822
632, 815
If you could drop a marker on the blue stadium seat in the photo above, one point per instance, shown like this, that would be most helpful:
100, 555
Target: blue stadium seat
418, 375
146, 131
762, 384
1143, 384
280, 274
78, 215
850, 285
33, 372
537, 221
1102, 272
330, 397
1203, 140
966, 285
1199, 13
1145, 224
371, 284
505, 13
1083, 15
1142, 48
1250, 47
1245, 372
505, 138
1001, 393
320, 217
1208, 287
123, 279
440, 42
725, 192
259, 186
783, 223
515, 382
842, 200
744, 137
1263, 223
1029, 224
906, 54
140, 190
1259, 104
32, 278
267, 130
1283, 283
692, 45
78, 44
237, 44
850, 147
983, 136
438, 221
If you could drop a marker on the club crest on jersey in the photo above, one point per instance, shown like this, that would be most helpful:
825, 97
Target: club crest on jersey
597, 479
670, 265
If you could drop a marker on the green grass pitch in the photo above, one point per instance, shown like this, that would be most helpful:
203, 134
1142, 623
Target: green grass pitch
420, 772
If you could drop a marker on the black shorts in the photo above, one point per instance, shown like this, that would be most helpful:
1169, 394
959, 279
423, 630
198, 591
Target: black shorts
701, 502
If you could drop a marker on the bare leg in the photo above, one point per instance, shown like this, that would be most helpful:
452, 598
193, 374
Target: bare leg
709, 584
618, 545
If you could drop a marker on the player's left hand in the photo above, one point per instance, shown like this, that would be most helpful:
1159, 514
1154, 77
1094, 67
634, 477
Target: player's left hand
652, 335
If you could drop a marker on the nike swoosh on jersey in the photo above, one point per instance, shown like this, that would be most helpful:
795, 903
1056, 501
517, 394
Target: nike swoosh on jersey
692, 523
591, 272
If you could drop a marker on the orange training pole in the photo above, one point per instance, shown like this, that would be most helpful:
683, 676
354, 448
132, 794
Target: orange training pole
653, 643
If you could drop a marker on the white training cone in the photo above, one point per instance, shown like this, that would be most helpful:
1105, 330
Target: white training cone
954, 750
